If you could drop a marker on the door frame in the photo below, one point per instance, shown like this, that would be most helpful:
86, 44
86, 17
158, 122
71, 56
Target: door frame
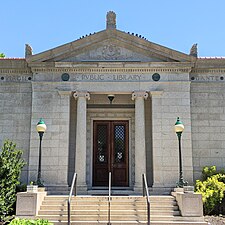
129, 149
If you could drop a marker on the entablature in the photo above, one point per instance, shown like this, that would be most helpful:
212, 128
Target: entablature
114, 67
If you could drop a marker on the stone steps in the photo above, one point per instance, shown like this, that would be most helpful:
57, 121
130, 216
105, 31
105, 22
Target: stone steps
113, 207
104, 212
130, 223
124, 210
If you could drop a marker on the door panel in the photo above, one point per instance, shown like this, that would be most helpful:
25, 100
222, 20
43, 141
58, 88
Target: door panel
110, 153
119, 153
101, 156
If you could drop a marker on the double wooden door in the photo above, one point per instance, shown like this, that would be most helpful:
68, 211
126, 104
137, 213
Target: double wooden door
110, 153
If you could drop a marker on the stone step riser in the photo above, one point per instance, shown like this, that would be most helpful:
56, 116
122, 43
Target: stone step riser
106, 200
106, 203
158, 198
113, 213
112, 205
102, 201
76, 207
102, 208
130, 223
105, 218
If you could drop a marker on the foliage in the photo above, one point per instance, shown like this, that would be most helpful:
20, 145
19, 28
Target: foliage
2, 55
212, 188
208, 171
11, 165
21, 188
18, 221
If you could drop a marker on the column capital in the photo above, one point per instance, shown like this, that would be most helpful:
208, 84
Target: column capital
80, 94
139, 94
156, 93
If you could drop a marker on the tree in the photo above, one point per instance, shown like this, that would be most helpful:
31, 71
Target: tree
2, 55
11, 165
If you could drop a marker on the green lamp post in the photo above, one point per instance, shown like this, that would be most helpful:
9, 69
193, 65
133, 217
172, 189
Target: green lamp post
179, 128
41, 128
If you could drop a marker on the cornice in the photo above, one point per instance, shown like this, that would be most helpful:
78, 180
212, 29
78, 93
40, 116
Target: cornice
116, 70
111, 67
15, 71
129, 41
113, 70
207, 70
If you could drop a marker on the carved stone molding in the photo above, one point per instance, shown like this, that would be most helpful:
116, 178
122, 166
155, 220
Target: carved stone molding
139, 94
80, 94
206, 71
64, 93
194, 50
112, 70
111, 52
15, 71
111, 20
28, 50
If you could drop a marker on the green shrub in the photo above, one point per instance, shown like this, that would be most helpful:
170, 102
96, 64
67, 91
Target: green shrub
212, 190
18, 221
208, 171
21, 188
11, 165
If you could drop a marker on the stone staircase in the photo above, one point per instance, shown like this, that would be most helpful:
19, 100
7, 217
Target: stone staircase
124, 210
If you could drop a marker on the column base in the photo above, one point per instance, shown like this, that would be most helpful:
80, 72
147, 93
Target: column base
82, 189
138, 189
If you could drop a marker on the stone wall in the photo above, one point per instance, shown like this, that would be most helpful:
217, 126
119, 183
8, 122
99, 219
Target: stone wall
171, 101
208, 124
15, 116
53, 105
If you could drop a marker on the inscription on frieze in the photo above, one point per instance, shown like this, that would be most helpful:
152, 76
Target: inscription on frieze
103, 77
209, 78
15, 78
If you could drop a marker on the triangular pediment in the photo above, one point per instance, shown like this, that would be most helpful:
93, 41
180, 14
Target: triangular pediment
109, 50
111, 45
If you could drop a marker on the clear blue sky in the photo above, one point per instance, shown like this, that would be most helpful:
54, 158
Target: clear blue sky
176, 24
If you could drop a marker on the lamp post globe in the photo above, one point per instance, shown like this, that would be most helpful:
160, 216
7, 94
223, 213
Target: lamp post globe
179, 128
41, 128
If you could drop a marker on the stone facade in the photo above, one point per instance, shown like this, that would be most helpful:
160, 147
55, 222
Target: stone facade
68, 87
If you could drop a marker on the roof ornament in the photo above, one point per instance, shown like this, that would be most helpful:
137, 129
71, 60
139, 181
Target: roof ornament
111, 20
194, 50
28, 50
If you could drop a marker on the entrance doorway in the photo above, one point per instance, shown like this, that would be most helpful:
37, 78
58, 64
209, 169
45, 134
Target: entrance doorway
110, 153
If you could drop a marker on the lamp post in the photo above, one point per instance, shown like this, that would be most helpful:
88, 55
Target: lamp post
179, 128
41, 128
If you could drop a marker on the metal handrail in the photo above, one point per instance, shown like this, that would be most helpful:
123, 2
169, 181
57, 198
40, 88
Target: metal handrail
109, 199
73, 186
146, 193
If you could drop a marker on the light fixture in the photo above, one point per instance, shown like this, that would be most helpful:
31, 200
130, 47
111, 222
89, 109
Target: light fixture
179, 128
111, 98
41, 128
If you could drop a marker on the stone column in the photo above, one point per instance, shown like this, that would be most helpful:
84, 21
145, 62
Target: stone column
81, 133
140, 151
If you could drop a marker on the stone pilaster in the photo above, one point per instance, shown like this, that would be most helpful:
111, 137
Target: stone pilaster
140, 151
157, 153
81, 133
